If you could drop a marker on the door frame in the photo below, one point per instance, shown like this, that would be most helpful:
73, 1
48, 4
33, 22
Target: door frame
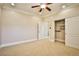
37, 31
45, 33
55, 29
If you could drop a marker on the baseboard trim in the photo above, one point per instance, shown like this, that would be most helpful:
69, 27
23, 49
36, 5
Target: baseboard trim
43, 38
15, 43
73, 46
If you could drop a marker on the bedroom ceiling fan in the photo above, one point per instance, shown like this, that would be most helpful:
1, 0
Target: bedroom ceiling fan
42, 6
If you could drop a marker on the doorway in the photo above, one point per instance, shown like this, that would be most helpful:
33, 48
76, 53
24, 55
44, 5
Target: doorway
42, 30
60, 30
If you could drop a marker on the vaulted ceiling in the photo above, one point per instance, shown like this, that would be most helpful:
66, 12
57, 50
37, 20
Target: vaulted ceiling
55, 8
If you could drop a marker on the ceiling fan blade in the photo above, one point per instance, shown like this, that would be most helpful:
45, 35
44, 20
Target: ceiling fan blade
35, 6
48, 3
40, 10
48, 8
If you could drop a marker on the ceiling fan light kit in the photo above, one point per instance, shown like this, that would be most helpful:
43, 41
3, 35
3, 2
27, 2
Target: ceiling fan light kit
43, 6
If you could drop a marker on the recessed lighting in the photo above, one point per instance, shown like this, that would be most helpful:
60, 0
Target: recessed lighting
12, 4
63, 6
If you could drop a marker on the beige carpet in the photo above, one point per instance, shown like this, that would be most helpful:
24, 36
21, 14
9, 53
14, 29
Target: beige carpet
39, 48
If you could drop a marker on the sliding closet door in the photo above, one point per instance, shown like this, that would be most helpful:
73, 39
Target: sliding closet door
72, 32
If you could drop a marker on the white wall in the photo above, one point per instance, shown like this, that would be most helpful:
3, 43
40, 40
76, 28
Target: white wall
17, 27
72, 32
51, 31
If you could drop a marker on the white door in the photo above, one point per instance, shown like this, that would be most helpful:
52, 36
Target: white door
43, 30
72, 32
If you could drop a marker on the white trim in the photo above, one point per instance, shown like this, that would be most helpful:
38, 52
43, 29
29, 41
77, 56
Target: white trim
44, 38
15, 43
72, 45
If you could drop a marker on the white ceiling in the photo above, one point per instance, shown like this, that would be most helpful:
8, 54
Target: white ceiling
56, 7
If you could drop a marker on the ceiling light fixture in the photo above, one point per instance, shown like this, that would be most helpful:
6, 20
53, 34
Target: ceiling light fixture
12, 4
63, 6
